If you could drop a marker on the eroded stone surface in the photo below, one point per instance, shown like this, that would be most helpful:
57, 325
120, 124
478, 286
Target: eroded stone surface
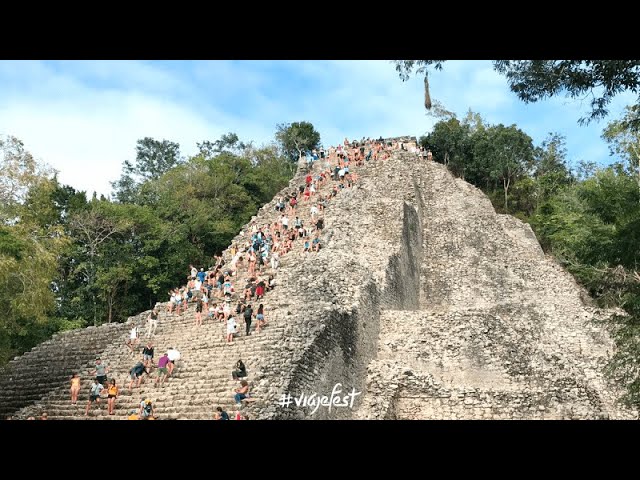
422, 298
502, 330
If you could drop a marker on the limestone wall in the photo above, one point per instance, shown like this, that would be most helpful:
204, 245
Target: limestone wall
502, 331
332, 301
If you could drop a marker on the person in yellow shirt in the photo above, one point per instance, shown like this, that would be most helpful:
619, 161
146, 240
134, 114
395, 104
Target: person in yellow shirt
112, 393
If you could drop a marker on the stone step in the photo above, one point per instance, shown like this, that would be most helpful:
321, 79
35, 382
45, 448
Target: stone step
203, 373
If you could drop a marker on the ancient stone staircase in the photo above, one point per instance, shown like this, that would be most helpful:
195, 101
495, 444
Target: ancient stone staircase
202, 380
51, 363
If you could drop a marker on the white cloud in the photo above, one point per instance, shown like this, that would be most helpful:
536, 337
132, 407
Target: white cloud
86, 133
84, 118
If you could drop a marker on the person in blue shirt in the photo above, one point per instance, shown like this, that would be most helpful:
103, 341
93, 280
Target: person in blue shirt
221, 415
201, 275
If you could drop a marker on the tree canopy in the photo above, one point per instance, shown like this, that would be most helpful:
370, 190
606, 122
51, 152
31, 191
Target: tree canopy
624, 140
153, 159
296, 138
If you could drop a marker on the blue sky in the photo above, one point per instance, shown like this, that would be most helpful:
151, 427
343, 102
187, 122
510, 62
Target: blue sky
83, 117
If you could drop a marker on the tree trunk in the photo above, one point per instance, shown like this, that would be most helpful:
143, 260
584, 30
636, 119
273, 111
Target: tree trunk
635, 150
505, 184
446, 158
111, 306
427, 96
639, 178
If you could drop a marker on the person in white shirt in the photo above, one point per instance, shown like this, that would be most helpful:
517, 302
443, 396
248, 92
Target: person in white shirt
172, 302
231, 329
174, 356
275, 260
132, 341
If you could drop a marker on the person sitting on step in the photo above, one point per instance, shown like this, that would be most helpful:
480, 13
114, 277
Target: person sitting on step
242, 392
240, 371
147, 410
221, 414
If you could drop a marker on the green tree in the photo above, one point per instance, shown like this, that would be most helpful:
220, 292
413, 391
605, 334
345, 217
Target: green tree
30, 245
576, 234
524, 196
153, 159
296, 138
551, 170
92, 230
20, 171
450, 143
229, 143
28, 261
551, 156
508, 152
623, 136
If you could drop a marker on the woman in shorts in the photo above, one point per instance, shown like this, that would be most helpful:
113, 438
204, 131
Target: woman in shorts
199, 307
260, 318
112, 393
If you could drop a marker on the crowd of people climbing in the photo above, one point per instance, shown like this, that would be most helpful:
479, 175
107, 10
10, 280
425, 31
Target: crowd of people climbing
235, 289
